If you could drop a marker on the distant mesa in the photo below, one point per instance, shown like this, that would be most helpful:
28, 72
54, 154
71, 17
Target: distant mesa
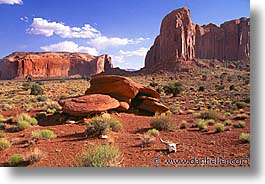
181, 43
20, 65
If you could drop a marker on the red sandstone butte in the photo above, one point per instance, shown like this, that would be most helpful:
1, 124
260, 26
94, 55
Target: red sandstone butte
182, 42
19, 65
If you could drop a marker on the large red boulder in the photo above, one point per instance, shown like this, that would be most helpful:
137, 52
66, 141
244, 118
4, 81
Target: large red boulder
88, 104
119, 87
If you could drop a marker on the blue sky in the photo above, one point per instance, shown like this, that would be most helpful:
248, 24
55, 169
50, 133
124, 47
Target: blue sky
125, 29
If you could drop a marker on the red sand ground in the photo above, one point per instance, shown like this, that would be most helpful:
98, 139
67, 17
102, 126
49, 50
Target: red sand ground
71, 142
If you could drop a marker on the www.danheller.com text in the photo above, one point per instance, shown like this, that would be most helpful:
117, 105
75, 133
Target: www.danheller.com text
203, 161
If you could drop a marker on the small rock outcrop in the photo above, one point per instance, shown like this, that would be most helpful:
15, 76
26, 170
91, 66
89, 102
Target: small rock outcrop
182, 42
113, 92
19, 65
88, 104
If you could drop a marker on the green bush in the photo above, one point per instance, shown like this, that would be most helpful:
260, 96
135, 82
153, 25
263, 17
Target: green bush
239, 124
2, 126
42, 98
241, 105
26, 117
209, 114
2, 134
153, 84
101, 156
16, 160
211, 122
4, 143
36, 89
43, 134
2, 118
219, 127
22, 125
26, 86
159, 90
245, 137
173, 88
202, 124
228, 122
201, 88
100, 125
163, 122
183, 124
153, 132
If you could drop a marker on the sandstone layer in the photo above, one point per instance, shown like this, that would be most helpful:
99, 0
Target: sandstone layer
19, 65
182, 42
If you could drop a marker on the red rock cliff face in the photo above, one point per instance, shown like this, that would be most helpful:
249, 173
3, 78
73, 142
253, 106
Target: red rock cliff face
181, 42
51, 65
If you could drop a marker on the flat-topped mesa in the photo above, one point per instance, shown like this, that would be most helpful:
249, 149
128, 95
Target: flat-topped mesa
19, 65
181, 42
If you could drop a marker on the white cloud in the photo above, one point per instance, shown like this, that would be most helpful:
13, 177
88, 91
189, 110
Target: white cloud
47, 28
69, 46
11, 2
25, 19
118, 59
103, 42
139, 52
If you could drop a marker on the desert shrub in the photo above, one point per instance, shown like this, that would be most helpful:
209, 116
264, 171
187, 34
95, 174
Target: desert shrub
22, 125
114, 124
227, 113
147, 140
183, 124
173, 88
153, 132
201, 88
153, 84
26, 117
190, 111
159, 90
4, 143
242, 124
101, 156
43, 134
163, 122
2, 126
211, 122
34, 155
36, 89
244, 137
228, 122
53, 105
100, 125
2, 134
16, 160
42, 98
219, 127
202, 124
241, 105
2, 119
51, 111
239, 124
26, 86
209, 114
232, 87
62, 81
